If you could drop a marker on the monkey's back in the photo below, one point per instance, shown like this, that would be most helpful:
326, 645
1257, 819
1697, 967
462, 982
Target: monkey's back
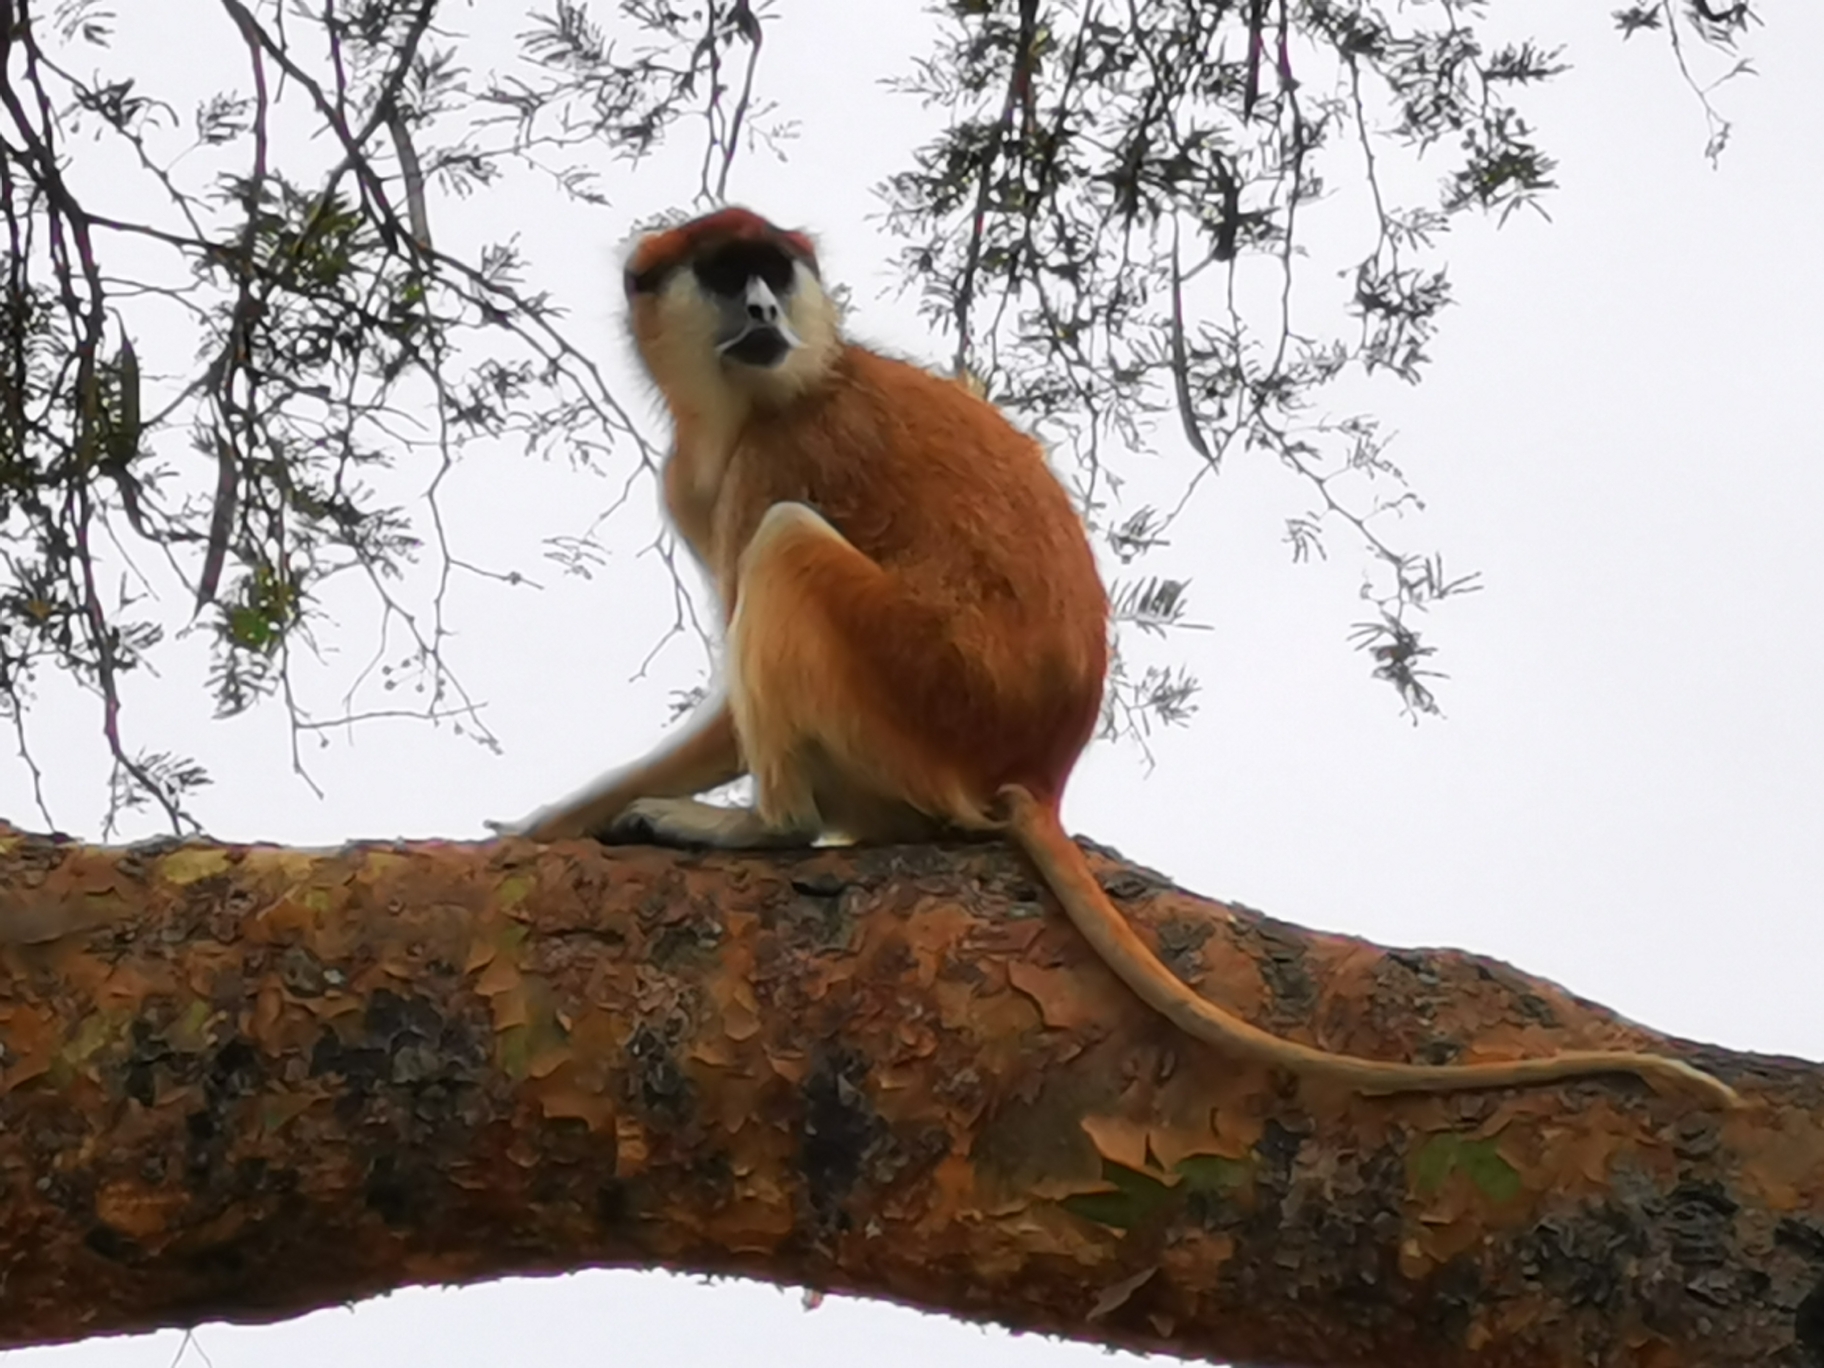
987, 632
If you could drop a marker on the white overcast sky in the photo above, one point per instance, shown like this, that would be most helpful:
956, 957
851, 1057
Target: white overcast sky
1620, 431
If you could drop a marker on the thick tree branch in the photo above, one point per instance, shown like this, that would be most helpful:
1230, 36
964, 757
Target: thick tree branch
239, 1082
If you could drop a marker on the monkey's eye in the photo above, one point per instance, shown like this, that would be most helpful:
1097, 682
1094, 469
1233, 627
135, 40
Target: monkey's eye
727, 270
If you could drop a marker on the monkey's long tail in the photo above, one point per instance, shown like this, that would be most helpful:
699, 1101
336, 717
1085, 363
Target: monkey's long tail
1041, 835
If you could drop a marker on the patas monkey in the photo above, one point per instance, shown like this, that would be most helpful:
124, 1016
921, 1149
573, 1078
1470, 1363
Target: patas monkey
916, 630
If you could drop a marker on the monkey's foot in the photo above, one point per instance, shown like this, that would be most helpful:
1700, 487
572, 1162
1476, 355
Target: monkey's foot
689, 823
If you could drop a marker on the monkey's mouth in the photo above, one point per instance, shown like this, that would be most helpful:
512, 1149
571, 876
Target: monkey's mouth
761, 345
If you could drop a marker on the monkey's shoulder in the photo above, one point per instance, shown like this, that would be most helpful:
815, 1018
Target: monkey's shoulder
881, 417
879, 377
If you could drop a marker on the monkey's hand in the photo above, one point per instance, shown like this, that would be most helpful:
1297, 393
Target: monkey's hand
592, 815
546, 826
692, 824
643, 822
681, 822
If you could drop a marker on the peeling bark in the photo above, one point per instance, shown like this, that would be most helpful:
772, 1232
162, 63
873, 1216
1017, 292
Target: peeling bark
241, 1082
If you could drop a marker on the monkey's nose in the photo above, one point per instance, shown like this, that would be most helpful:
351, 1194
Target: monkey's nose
762, 304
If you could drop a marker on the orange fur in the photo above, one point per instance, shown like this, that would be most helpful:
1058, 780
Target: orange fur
988, 650
917, 634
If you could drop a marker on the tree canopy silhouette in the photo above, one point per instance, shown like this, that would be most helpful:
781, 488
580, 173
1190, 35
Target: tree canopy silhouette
1110, 230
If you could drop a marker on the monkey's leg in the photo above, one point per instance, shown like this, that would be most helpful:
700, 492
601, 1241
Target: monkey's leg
705, 756
815, 739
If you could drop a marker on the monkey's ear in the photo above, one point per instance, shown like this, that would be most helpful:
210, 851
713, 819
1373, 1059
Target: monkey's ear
643, 282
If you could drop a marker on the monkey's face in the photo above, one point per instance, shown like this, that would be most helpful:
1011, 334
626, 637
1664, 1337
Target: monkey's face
744, 313
751, 286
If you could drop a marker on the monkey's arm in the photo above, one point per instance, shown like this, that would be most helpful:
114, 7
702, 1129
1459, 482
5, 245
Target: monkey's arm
704, 756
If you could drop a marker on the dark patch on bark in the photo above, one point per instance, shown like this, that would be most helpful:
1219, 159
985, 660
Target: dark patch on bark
1455, 1291
819, 883
1805, 1236
1217, 1208
681, 930
1181, 943
389, 1015
408, 1066
687, 941
1280, 956
1126, 885
1698, 1225
610, 938
1697, 1137
1275, 1153
1579, 1261
1032, 1131
1408, 988
1527, 1005
146, 1051
1421, 964
663, 899
394, 1193
360, 1066
892, 961
711, 1177
237, 1071
302, 972
111, 1245
877, 866
839, 1128
664, 1090
1808, 1325
1347, 1237
224, 1269
205, 1149
823, 923
910, 1154
614, 1206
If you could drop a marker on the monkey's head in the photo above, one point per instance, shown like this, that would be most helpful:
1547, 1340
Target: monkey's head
730, 302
